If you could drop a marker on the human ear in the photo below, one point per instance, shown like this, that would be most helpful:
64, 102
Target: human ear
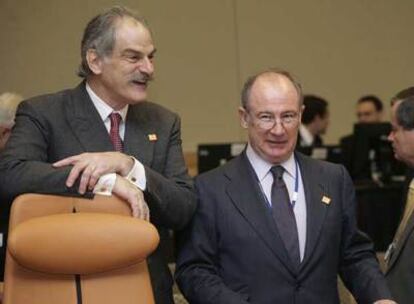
242, 116
94, 61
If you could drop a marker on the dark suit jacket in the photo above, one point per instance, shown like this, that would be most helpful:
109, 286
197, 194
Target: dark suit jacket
51, 127
347, 144
232, 252
400, 270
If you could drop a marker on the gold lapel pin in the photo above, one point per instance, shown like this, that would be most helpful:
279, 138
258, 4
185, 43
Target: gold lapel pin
326, 200
152, 137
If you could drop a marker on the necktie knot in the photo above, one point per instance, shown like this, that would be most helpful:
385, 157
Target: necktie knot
115, 119
277, 172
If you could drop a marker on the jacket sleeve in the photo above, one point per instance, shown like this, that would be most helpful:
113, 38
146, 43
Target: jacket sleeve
24, 164
197, 271
359, 267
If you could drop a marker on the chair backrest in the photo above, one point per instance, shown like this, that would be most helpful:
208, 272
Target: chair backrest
73, 250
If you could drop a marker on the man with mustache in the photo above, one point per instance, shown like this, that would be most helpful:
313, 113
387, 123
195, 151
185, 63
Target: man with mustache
104, 137
399, 257
272, 225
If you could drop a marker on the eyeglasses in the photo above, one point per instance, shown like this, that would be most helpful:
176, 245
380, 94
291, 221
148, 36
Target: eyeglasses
267, 121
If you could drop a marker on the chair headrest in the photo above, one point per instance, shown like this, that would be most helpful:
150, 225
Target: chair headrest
81, 243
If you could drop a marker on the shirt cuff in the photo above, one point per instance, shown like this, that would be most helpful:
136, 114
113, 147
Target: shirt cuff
137, 175
105, 184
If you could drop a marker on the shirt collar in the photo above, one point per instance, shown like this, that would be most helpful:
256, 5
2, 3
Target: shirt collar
262, 167
102, 107
307, 136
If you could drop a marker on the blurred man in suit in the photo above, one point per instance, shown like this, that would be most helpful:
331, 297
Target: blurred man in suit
368, 110
399, 257
272, 225
8, 106
104, 137
315, 121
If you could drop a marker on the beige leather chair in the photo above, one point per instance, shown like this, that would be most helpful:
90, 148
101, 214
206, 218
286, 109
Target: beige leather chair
72, 250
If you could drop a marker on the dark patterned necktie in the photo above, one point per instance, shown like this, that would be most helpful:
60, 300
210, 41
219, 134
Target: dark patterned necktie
283, 215
114, 132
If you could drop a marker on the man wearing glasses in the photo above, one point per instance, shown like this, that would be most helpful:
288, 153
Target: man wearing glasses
274, 226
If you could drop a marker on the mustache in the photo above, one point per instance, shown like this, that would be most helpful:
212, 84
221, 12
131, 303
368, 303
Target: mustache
142, 77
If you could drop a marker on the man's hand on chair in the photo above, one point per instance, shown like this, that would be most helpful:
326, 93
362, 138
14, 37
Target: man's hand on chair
91, 166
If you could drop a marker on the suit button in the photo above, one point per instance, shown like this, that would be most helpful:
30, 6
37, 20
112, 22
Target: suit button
298, 286
133, 179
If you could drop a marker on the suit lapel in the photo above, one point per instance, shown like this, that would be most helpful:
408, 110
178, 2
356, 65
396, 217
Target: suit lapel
409, 226
86, 123
90, 130
401, 243
315, 208
138, 130
247, 197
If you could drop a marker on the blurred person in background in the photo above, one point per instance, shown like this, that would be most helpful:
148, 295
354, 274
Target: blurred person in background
315, 121
369, 109
8, 106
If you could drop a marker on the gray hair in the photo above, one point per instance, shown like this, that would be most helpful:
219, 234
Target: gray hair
99, 34
405, 113
8, 106
408, 92
247, 87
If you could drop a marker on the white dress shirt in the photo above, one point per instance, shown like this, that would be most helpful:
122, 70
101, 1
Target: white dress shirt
265, 177
306, 135
136, 176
